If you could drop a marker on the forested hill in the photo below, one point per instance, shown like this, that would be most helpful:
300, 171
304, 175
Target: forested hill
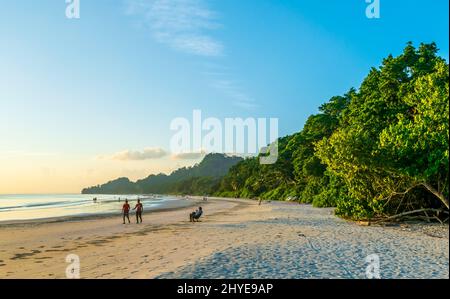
376, 152
201, 178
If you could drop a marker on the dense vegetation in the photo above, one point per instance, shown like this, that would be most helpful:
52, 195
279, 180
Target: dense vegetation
374, 152
378, 151
202, 178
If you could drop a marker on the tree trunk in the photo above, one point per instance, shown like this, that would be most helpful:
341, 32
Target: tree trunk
436, 193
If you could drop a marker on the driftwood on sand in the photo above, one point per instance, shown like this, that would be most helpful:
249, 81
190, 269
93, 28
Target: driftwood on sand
412, 215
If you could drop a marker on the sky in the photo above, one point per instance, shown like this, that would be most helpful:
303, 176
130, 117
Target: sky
84, 101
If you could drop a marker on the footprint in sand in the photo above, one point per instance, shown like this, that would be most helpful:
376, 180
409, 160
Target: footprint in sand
52, 250
60, 250
18, 256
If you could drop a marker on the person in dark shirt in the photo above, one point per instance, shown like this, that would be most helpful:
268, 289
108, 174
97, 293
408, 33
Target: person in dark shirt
139, 208
196, 215
126, 211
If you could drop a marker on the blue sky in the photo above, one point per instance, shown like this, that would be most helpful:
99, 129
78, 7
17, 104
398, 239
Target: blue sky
71, 90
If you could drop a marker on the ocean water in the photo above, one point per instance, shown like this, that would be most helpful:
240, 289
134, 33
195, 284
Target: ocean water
43, 206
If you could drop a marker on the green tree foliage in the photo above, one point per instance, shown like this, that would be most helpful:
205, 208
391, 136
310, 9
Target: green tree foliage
376, 151
298, 174
391, 147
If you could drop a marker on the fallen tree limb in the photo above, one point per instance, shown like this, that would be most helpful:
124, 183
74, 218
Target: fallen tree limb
411, 213
437, 218
436, 193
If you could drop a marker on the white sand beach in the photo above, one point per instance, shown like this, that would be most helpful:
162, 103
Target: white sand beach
235, 239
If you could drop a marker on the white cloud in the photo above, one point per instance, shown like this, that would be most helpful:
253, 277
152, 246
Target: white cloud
184, 25
232, 90
187, 26
220, 79
189, 155
129, 155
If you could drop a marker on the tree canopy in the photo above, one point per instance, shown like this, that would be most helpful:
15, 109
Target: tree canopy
373, 152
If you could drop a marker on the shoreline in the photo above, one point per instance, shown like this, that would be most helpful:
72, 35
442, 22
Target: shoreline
169, 206
193, 200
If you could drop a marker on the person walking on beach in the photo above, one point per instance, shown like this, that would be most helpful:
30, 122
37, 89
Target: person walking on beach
126, 211
138, 209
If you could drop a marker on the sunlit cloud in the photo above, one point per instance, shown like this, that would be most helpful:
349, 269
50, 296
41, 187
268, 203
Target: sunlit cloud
153, 153
184, 25
129, 155
194, 155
